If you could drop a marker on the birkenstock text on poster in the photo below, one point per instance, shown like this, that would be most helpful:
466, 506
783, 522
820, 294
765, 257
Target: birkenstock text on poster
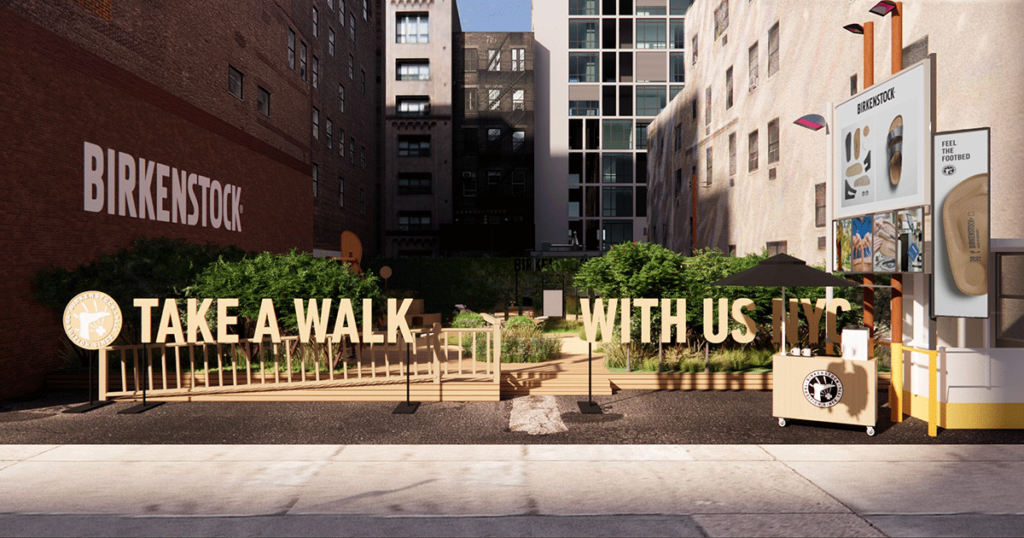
875, 100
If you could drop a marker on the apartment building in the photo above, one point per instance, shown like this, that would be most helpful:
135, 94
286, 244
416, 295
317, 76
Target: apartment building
494, 131
251, 124
605, 69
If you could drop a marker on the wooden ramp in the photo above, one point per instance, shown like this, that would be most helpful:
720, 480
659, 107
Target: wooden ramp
563, 377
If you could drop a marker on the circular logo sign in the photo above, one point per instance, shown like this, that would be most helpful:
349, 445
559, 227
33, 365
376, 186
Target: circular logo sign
92, 320
823, 388
948, 170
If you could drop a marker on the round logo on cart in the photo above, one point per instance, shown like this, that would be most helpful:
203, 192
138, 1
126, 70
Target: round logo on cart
92, 320
823, 388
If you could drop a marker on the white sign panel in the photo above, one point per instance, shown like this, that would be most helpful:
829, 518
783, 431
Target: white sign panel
883, 145
961, 224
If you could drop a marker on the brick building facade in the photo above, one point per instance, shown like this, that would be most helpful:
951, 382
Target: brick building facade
202, 120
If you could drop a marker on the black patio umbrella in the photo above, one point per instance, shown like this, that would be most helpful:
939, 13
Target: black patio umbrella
783, 270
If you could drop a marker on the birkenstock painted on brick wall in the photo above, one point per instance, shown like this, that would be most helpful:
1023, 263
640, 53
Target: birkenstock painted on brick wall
965, 222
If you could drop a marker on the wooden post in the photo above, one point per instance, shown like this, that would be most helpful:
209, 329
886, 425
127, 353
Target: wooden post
897, 38
869, 312
103, 375
869, 54
896, 353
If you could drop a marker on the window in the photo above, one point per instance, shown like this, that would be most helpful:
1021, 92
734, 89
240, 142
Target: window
341, 98
330, 41
412, 70
414, 183
773, 141
472, 60
330, 133
708, 160
316, 22
707, 106
583, 108
362, 201
413, 220
366, 10
679, 7
752, 66
352, 27
494, 60
316, 123
518, 100
330, 4
352, 150
341, 12
693, 51
413, 105
728, 88
776, 247
617, 201
519, 59
819, 205
583, 7
470, 140
362, 158
494, 182
773, 50
650, 100
582, 34
617, 231
732, 154
471, 102
413, 145
678, 137
677, 67
302, 60
362, 80
341, 192
721, 18
641, 135
679, 185
468, 184
493, 135
617, 168
1009, 299
493, 99
853, 85
291, 49
677, 34
235, 82
673, 91
412, 28
519, 183
341, 142
618, 134
752, 151
518, 140
351, 66
263, 101
650, 34
316, 180
316, 71
582, 67
645, 10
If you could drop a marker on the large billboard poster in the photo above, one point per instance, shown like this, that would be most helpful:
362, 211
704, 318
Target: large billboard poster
883, 145
961, 224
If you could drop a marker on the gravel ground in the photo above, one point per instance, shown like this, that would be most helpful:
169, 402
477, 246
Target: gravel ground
630, 417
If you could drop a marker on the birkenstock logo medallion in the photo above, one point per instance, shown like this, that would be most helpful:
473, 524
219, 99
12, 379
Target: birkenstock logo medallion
92, 320
948, 170
823, 388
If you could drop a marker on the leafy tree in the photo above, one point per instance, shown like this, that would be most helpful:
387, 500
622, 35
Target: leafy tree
634, 270
284, 278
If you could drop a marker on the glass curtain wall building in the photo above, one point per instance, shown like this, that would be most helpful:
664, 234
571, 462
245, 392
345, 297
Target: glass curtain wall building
612, 65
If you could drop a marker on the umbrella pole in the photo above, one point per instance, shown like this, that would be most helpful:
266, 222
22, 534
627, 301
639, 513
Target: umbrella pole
785, 312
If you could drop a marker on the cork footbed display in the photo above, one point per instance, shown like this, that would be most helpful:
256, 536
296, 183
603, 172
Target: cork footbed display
965, 222
894, 150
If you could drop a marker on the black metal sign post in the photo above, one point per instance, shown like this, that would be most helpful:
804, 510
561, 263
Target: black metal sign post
93, 404
590, 407
144, 406
406, 407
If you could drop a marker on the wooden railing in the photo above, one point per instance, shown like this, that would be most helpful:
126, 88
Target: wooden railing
183, 369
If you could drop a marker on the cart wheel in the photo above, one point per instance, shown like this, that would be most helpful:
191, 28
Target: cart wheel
782, 422
871, 431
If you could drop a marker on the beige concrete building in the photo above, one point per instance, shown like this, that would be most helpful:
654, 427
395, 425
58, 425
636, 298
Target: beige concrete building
418, 118
729, 168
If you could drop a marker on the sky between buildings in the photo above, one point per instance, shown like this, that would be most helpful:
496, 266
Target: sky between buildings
495, 15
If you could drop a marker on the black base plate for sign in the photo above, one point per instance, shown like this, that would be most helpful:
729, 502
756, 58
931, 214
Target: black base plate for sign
141, 408
85, 408
589, 408
406, 408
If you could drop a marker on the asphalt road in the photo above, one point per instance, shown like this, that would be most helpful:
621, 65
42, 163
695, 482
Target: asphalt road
630, 417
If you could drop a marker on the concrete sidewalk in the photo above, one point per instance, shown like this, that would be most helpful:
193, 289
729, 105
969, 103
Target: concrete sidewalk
510, 490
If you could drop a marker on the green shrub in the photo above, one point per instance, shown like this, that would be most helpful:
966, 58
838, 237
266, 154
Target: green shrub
519, 321
528, 344
284, 278
468, 320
